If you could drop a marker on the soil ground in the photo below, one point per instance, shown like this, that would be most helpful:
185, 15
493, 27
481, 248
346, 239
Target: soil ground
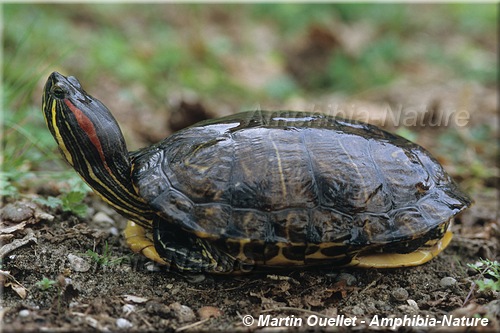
88, 295
63, 273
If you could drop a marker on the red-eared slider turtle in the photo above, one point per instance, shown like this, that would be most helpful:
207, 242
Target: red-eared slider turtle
261, 189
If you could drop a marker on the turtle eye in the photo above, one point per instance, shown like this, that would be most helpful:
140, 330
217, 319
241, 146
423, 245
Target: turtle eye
58, 92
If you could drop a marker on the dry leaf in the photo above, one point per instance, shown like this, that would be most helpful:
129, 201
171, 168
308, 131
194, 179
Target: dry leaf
9, 281
313, 300
135, 299
16, 243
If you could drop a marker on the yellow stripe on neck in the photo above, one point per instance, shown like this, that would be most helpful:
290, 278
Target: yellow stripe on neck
128, 208
58, 136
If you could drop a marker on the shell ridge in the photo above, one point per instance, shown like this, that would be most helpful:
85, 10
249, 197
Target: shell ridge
313, 234
379, 174
234, 145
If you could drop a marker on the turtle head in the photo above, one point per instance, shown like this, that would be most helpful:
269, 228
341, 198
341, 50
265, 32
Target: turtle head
85, 130
90, 140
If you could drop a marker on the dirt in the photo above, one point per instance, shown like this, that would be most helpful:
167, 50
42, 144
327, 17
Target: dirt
63, 273
128, 293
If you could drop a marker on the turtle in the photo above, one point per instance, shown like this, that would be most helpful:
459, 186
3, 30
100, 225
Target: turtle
261, 190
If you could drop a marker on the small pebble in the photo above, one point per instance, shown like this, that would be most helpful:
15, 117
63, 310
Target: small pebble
357, 311
208, 311
78, 264
135, 299
152, 267
157, 309
447, 282
195, 278
24, 313
413, 304
123, 323
102, 218
350, 279
493, 307
91, 322
17, 212
128, 309
407, 309
183, 312
400, 294
114, 231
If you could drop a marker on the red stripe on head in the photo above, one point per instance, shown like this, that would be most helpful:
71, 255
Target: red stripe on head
88, 127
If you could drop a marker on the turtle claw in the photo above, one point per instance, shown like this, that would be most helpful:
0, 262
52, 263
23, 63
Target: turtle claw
138, 242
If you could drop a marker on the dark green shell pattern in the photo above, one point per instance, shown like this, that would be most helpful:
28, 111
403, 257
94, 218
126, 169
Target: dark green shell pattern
288, 177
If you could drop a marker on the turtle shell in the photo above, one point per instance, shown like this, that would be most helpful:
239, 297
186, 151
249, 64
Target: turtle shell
297, 178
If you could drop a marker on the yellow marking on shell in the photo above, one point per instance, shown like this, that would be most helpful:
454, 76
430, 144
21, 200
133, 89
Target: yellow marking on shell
241, 254
321, 246
199, 168
202, 234
281, 260
187, 162
280, 170
393, 260
138, 242
58, 136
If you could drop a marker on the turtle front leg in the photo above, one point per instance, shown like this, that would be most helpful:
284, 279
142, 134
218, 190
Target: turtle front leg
138, 242
182, 251
192, 252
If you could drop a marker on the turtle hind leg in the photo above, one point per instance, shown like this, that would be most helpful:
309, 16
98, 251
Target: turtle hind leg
139, 242
190, 253
393, 260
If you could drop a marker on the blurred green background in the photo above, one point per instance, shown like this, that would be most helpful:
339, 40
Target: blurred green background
139, 58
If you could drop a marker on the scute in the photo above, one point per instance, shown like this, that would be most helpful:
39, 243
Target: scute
292, 177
